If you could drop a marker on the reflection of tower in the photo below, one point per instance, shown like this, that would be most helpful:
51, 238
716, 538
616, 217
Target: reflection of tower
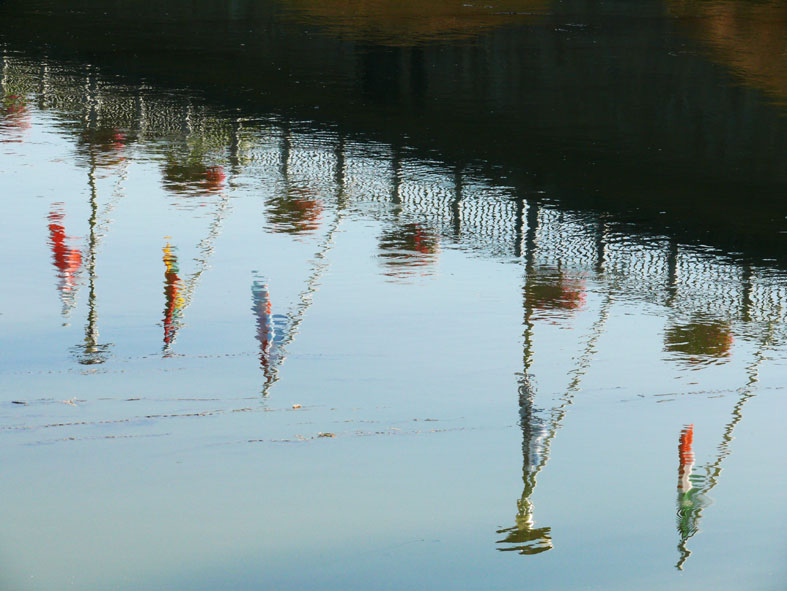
173, 299
270, 328
524, 537
91, 351
67, 260
690, 498
693, 489
537, 431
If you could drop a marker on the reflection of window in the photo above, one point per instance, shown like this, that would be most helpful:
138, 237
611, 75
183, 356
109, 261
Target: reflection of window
699, 340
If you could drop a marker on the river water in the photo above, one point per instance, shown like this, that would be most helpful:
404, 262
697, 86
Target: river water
340, 295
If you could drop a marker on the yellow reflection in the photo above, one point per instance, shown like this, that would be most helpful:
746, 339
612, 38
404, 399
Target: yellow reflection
409, 249
747, 36
698, 341
410, 22
174, 300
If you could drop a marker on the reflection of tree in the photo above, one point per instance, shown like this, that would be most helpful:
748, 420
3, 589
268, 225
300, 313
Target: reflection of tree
747, 36
409, 22
408, 247
67, 260
699, 340
299, 211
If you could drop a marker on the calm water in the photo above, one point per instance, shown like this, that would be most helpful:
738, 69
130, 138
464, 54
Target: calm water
337, 295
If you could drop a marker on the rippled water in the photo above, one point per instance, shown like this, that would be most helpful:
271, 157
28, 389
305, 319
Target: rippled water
467, 325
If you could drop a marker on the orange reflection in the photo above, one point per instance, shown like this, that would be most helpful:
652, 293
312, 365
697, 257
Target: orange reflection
410, 22
67, 260
299, 212
408, 249
747, 36
699, 341
174, 300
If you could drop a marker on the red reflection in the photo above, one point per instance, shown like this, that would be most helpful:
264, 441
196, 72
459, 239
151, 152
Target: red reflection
107, 146
214, 178
408, 248
15, 116
300, 212
555, 291
67, 260
686, 457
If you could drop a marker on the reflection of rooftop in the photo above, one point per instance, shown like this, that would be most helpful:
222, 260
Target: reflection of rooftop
410, 22
746, 36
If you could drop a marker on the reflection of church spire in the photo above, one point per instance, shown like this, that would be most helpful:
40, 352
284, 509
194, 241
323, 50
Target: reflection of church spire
67, 260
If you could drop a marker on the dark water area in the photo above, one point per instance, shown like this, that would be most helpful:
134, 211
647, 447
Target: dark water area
630, 108
331, 294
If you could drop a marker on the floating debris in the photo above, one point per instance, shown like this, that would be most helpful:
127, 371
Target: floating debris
326, 435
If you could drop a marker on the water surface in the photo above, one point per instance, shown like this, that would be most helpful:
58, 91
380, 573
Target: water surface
473, 297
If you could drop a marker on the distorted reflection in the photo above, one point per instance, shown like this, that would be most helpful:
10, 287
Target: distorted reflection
298, 212
106, 146
524, 537
14, 116
408, 249
192, 176
173, 298
690, 496
270, 328
747, 36
67, 260
699, 341
411, 22
553, 293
